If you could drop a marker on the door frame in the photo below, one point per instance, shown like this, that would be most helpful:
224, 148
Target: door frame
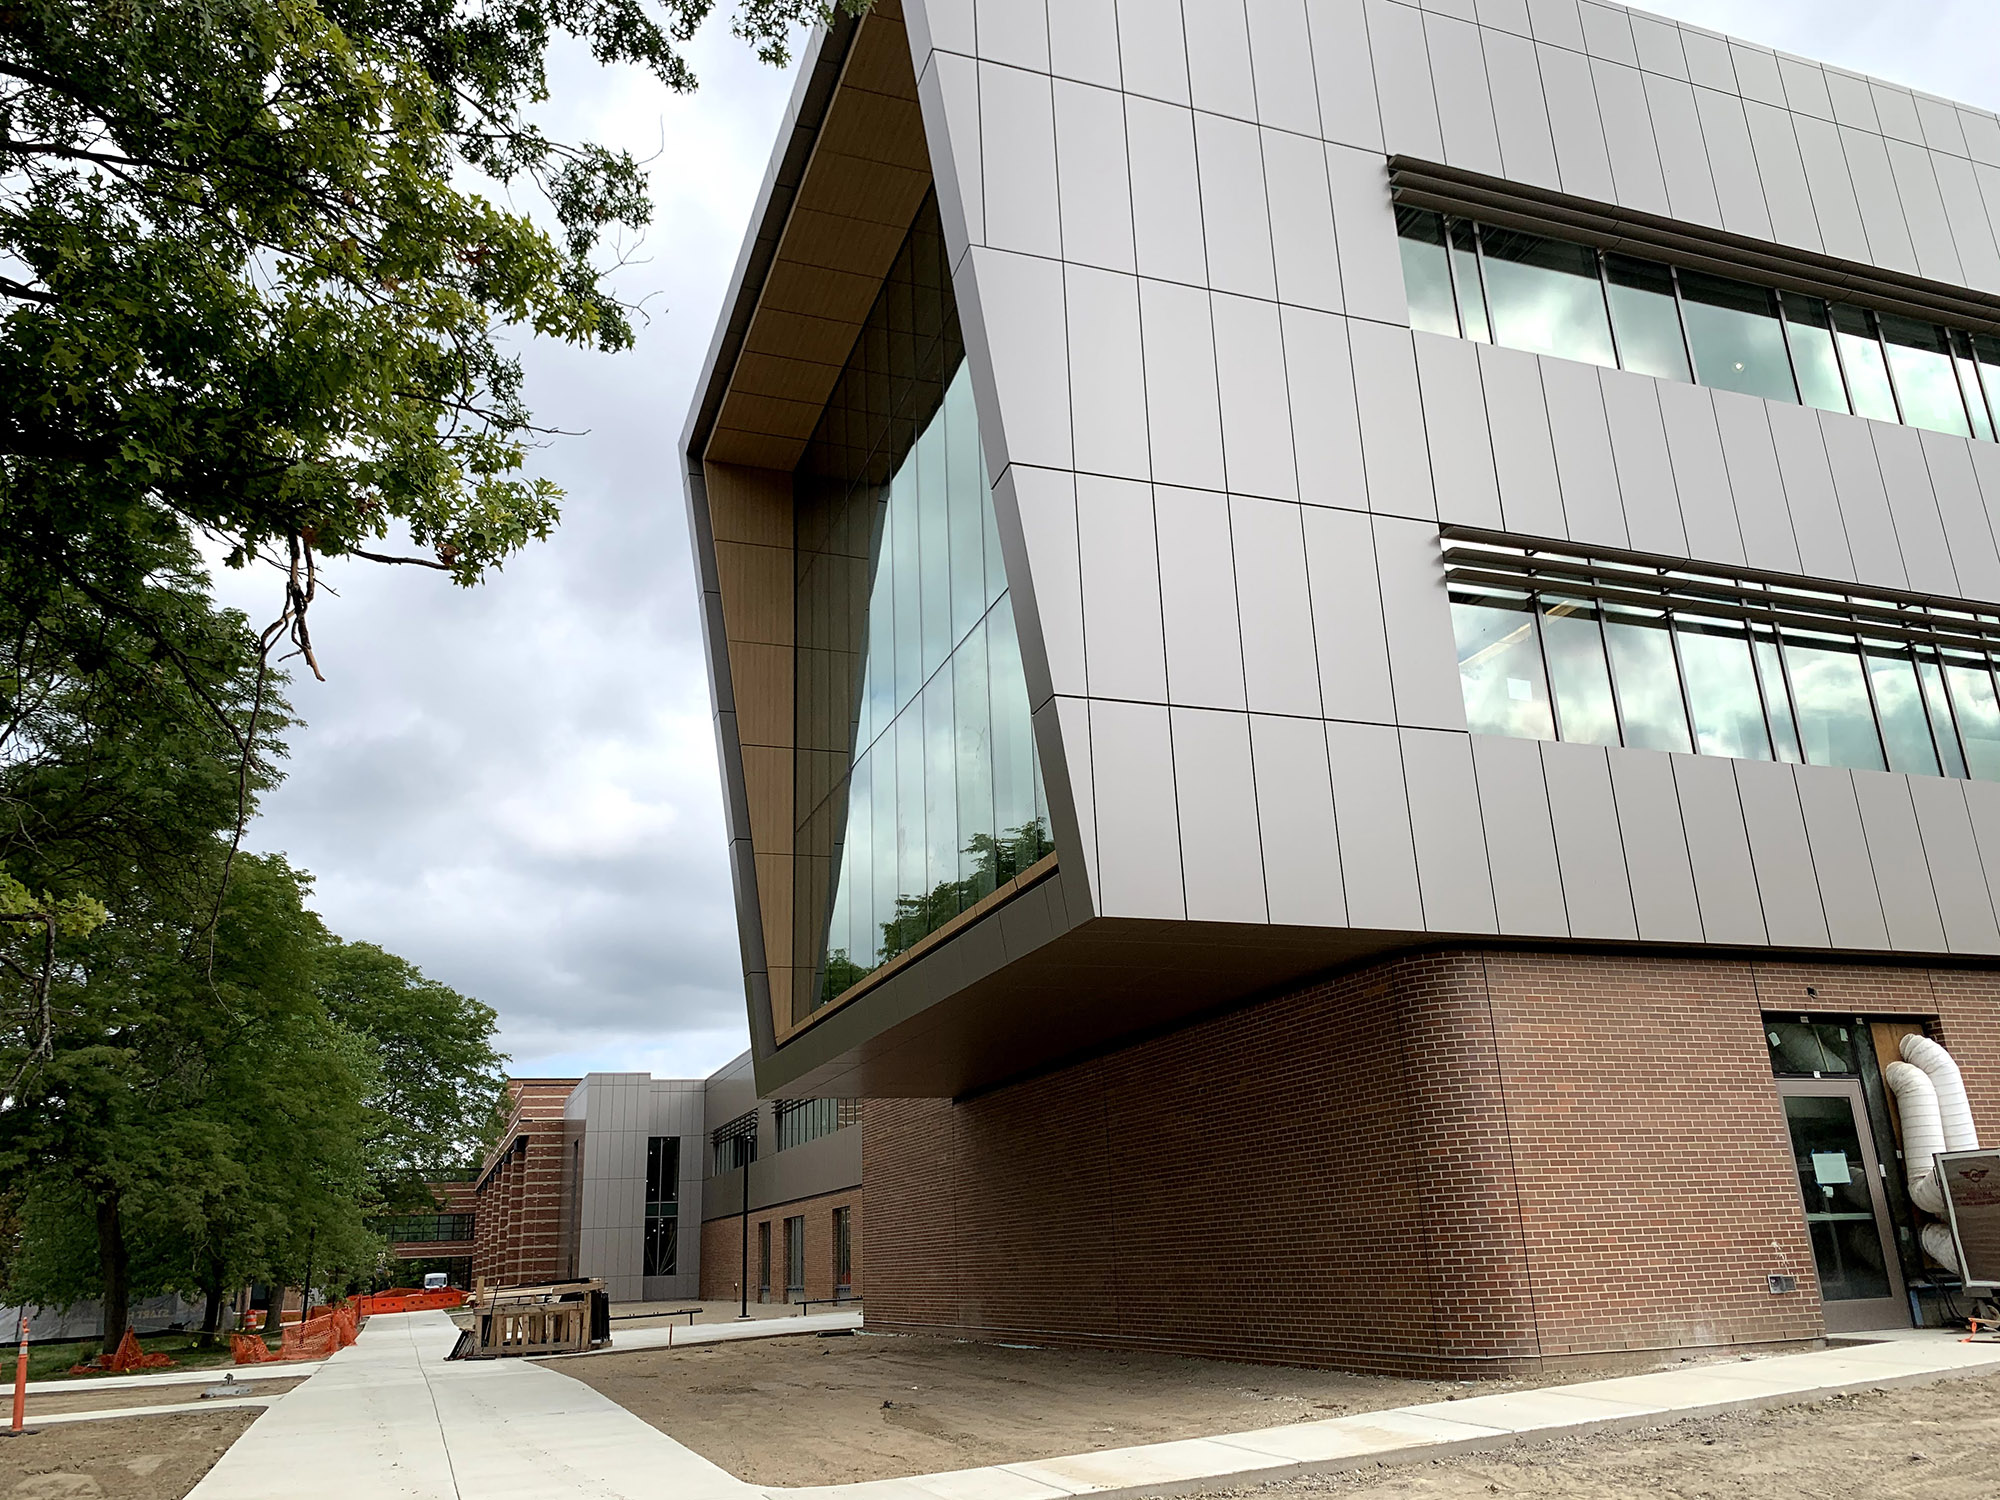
1869, 1313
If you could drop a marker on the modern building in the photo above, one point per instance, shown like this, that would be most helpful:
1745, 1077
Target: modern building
596, 1177
1352, 649
782, 1207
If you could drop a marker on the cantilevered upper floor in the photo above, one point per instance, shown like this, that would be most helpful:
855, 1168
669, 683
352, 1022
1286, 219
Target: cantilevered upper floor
1190, 496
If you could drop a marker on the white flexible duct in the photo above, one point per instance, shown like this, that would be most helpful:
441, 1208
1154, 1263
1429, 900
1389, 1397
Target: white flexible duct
1954, 1111
1923, 1131
1938, 1244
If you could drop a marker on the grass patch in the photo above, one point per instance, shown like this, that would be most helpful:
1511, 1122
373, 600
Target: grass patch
52, 1361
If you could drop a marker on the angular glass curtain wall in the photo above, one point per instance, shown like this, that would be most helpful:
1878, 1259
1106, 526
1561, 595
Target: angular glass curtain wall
1617, 651
1573, 301
919, 791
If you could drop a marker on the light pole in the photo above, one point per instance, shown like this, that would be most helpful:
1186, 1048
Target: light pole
740, 1137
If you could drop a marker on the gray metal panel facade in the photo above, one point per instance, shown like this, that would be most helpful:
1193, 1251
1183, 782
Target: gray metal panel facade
1184, 306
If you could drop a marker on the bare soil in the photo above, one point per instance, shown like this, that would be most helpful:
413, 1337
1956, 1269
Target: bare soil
1934, 1442
136, 1458
806, 1411
48, 1403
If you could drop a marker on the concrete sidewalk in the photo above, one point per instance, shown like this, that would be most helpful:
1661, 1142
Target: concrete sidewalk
391, 1417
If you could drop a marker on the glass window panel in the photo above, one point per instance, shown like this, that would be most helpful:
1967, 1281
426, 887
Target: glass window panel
996, 566
940, 800
1650, 707
934, 546
1920, 364
1968, 381
1836, 724
1899, 704
883, 801
1426, 274
1544, 296
1978, 712
1466, 280
1794, 1047
1813, 358
1500, 667
1645, 317
1861, 357
968, 501
1777, 702
906, 915
1722, 688
1013, 742
1734, 332
1986, 356
903, 547
1578, 675
1837, 1043
975, 766
879, 679
1939, 704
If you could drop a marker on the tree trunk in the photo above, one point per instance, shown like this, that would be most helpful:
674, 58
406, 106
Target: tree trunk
211, 1313
114, 1268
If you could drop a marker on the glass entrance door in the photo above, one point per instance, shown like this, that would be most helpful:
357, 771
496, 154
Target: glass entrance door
1847, 1211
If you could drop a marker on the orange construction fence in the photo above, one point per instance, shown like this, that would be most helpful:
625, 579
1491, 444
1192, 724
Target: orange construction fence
409, 1299
324, 1331
126, 1358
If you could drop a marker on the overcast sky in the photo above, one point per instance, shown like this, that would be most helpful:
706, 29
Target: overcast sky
515, 786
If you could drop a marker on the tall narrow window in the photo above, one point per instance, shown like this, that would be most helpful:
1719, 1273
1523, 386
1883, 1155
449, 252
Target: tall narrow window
1581, 682
1777, 696
1810, 329
1722, 688
1500, 665
764, 1261
1467, 280
1938, 702
1899, 703
795, 1259
1426, 274
1734, 332
1835, 723
1545, 296
663, 1207
1920, 364
843, 1251
1978, 711
1969, 384
1649, 687
1645, 317
1861, 357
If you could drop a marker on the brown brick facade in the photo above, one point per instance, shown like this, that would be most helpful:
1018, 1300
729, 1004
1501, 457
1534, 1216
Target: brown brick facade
1460, 1162
722, 1248
517, 1231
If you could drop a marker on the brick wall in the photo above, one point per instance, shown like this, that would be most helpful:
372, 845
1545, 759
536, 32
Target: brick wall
722, 1248
517, 1228
1455, 1163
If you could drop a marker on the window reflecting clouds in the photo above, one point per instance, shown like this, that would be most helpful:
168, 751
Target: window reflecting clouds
1720, 663
1551, 296
917, 789
1545, 296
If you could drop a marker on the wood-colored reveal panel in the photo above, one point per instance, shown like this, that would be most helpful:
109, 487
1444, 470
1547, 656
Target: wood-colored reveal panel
869, 171
750, 515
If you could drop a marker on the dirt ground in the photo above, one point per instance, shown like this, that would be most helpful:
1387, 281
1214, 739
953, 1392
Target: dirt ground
138, 1458
84, 1399
802, 1411
1934, 1442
